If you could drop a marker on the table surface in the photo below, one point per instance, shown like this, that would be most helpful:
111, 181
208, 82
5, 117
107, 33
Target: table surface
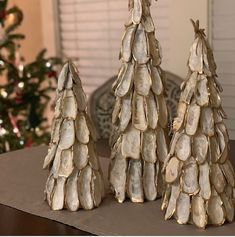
15, 222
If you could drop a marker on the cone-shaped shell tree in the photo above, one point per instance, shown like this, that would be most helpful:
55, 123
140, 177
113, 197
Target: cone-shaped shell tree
138, 141
75, 179
200, 178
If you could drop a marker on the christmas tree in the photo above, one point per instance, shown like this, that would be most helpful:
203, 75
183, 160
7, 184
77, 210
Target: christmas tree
198, 171
24, 88
75, 178
138, 141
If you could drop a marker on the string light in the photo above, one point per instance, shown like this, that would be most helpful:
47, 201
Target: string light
3, 131
3, 93
15, 130
21, 67
21, 84
11, 19
48, 64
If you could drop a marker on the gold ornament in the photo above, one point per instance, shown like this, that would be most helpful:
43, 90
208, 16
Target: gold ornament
138, 141
75, 180
200, 178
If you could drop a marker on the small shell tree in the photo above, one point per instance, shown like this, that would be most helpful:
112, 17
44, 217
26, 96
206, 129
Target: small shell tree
75, 178
138, 141
200, 178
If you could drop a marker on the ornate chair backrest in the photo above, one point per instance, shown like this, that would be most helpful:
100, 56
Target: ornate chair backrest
102, 101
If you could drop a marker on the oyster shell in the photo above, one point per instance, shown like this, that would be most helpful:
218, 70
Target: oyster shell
183, 147
93, 159
196, 56
207, 121
118, 176
157, 85
67, 134
80, 97
126, 82
216, 211
62, 77
175, 191
149, 146
66, 163
202, 95
148, 24
214, 95
150, 189
179, 120
50, 184
50, 156
228, 206
140, 46
131, 143
142, 80
199, 215
228, 172
127, 43
57, 202
190, 177
69, 105
137, 12
84, 188
56, 130
154, 49
204, 181
189, 89
139, 118
116, 109
125, 115
214, 149
96, 188
134, 181
163, 111
56, 162
71, 194
59, 105
200, 148
152, 112
217, 178
166, 198
183, 208
80, 155
192, 119
173, 170
82, 130
162, 145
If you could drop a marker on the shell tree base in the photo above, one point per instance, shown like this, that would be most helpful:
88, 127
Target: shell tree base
75, 179
138, 141
199, 175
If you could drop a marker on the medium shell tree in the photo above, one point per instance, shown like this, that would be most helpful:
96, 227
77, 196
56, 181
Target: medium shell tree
138, 141
199, 175
75, 179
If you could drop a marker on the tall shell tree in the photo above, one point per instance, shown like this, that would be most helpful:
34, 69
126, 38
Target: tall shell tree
138, 141
75, 179
199, 175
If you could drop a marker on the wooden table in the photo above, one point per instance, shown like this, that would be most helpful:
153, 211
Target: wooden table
14, 222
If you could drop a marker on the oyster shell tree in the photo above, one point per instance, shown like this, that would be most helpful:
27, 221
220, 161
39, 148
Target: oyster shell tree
138, 141
199, 175
75, 179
